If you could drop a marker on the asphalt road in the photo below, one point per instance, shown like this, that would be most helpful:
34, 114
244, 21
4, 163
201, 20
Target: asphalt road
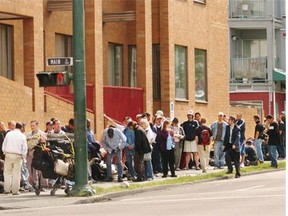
261, 194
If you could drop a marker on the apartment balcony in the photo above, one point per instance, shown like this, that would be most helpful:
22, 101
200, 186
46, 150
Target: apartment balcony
254, 9
249, 70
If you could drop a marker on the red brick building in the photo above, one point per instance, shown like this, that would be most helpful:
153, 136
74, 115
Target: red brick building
141, 55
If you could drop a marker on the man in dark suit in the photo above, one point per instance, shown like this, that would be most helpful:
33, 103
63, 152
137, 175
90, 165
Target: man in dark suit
232, 146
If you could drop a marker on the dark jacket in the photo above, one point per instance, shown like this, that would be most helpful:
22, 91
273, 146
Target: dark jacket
190, 129
142, 145
235, 138
273, 132
162, 139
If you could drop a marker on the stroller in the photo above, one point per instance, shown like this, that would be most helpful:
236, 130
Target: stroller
55, 159
98, 168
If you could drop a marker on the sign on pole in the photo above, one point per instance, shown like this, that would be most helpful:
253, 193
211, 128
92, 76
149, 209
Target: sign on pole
172, 110
60, 61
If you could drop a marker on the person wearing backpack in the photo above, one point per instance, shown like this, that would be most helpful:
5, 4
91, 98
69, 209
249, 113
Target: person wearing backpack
203, 138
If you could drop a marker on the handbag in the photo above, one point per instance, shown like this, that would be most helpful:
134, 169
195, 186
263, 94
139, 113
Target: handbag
147, 156
61, 168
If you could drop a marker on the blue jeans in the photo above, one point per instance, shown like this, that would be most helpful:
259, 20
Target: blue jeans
258, 145
281, 148
272, 149
25, 175
219, 155
118, 154
148, 169
129, 162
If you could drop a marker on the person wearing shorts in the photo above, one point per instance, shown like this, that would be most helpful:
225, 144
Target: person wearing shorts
190, 145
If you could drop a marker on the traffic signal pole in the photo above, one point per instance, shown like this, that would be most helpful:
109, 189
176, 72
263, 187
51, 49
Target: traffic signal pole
81, 187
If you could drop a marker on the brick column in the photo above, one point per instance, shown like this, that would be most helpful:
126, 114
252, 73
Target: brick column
166, 58
33, 58
144, 51
94, 59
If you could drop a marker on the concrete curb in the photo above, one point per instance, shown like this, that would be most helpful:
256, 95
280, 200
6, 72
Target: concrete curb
110, 196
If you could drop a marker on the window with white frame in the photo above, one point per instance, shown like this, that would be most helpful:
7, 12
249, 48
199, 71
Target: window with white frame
6, 52
200, 75
181, 72
132, 66
115, 59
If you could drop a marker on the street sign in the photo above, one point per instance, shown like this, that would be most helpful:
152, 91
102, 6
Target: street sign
60, 61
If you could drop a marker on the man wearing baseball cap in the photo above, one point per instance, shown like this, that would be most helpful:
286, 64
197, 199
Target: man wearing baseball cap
190, 145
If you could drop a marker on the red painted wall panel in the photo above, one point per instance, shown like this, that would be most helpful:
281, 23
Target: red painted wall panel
122, 101
260, 96
118, 101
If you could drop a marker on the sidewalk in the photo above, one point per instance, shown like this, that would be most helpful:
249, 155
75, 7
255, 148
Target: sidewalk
30, 199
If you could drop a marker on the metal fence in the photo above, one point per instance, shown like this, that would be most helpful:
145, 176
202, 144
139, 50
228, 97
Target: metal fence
254, 9
252, 70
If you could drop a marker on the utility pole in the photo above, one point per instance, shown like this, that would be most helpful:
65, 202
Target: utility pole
81, 187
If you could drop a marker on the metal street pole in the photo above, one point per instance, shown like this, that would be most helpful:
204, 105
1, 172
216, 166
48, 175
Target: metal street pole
81, 187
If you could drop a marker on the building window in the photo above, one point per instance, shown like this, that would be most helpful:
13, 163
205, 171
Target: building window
115, 59
6, 52
181, 72
63, 48
156, 72
132, 66
200, 75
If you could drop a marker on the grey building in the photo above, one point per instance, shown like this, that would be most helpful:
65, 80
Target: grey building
257, 54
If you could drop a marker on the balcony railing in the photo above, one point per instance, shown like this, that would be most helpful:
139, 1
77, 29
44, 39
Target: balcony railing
249, 70
253, 9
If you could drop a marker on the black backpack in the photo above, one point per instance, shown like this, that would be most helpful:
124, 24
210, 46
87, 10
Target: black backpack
40, 159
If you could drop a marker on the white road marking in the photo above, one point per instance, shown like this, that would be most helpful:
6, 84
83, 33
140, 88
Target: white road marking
250, 188
198, 199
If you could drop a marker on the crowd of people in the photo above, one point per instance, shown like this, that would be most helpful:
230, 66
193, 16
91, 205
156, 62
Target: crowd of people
148, 147
16, 154
155, 144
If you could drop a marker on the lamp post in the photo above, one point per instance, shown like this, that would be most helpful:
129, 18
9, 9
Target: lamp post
81, 187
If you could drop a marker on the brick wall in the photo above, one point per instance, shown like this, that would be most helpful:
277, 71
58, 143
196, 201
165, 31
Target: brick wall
195, 25
247, 115
16, 102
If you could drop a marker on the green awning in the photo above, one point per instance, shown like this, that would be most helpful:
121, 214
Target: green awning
279, 75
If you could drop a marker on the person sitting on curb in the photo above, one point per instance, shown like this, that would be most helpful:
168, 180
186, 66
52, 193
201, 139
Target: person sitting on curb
251, 156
